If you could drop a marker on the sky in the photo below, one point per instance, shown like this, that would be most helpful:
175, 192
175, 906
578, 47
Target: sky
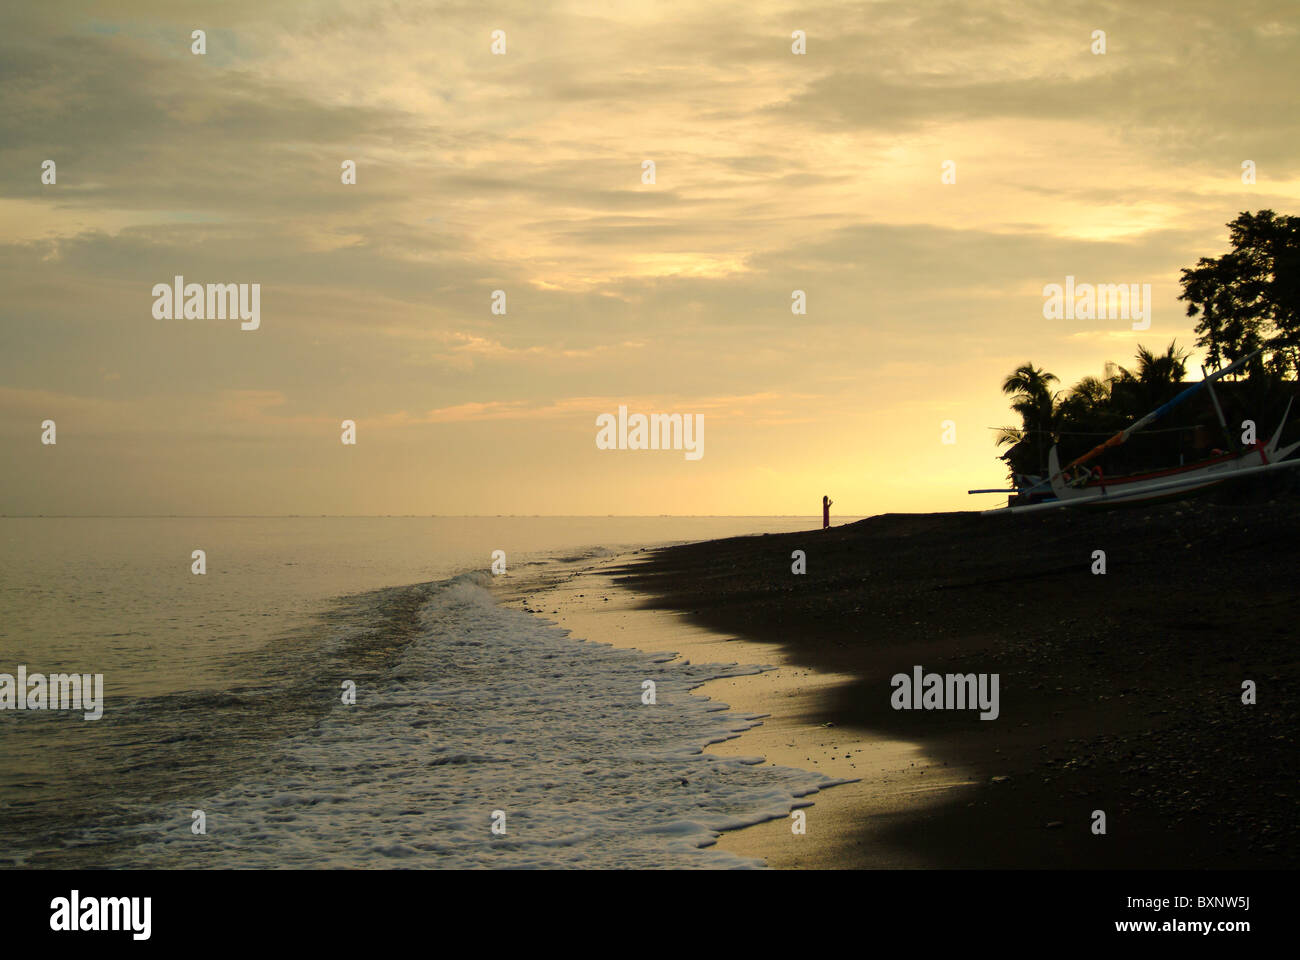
522, 172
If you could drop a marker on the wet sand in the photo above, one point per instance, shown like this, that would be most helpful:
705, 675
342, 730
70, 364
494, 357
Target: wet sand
1119, 692
888, 776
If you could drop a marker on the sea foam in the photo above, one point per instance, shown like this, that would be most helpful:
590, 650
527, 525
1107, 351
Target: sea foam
491, 709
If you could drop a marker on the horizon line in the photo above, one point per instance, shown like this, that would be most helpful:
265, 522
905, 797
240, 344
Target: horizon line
416, 516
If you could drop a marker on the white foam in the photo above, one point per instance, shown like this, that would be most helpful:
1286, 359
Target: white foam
493, 709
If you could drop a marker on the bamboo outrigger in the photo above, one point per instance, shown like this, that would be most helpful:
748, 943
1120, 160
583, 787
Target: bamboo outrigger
1075, 486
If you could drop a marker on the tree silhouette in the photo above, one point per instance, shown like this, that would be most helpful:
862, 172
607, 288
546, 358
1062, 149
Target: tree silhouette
1158, 378
1034, 400
1250, 297
1088, 401
1090, 409
1247, 299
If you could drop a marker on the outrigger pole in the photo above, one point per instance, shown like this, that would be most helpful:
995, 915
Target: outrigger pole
1223, 421
1160, 411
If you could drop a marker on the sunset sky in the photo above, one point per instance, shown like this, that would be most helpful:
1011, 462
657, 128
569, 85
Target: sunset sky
523, 172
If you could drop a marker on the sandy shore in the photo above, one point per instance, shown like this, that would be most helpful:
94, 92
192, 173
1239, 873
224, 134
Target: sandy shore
891, 778
1121, 692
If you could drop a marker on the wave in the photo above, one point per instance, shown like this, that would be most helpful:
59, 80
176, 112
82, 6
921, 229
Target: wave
469, 713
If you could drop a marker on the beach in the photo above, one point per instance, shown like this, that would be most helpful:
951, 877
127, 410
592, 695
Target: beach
1121, 693
348, 692
881, 776
1118, 692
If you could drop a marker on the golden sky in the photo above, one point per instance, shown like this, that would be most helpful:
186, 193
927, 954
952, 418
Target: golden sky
522, 172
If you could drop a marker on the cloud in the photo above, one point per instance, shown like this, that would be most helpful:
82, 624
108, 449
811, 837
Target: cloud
522, 173
570, 408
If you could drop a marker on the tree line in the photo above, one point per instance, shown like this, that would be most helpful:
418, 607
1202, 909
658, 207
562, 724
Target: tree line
1248, 299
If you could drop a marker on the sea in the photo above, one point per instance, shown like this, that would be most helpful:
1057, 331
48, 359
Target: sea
349, 692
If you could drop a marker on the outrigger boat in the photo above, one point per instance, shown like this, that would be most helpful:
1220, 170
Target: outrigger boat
1074, 485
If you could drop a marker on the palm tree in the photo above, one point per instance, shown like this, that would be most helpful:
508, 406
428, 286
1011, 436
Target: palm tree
1028, 379
1157, 379
1167, 368
1087, 400
1034, 400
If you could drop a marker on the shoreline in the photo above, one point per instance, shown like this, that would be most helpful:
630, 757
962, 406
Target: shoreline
887, 778
1120, 693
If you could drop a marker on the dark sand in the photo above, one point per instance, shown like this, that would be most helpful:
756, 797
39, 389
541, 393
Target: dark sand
1119, 692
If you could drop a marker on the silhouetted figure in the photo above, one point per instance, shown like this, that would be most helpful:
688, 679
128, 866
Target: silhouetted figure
826, 512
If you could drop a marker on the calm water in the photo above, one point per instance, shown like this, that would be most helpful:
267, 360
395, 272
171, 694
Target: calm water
223, 694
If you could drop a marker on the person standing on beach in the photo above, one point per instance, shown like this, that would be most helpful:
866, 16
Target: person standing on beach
826, 512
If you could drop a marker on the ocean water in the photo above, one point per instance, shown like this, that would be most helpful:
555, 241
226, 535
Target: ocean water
223, 694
